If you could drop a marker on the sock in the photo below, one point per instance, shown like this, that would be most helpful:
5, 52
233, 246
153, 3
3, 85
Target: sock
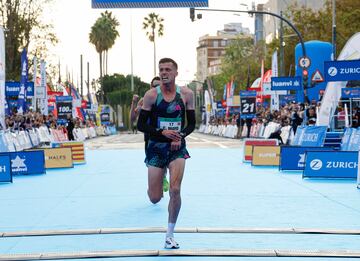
170, 230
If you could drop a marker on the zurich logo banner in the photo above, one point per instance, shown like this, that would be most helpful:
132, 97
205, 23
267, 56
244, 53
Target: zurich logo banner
5, 169
334, 164
27, 162
293, 157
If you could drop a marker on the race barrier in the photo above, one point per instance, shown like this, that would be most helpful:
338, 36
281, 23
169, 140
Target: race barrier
249, 143
265, 156
27, 162
293, 157
5, 168
331, 164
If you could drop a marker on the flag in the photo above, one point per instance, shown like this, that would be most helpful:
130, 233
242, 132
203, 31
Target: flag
274, 64
44, 100
347, 124
21, 107
2, 79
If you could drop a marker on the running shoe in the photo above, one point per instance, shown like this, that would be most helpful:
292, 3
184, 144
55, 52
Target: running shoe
165, 184
170, 243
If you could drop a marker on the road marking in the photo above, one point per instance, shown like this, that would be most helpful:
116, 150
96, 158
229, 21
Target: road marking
216, 143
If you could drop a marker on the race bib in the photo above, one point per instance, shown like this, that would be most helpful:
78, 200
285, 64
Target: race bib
170, 124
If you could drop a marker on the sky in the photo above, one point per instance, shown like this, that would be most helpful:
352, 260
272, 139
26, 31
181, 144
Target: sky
72, 22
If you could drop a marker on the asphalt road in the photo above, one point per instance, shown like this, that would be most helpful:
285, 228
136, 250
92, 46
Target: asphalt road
126, 140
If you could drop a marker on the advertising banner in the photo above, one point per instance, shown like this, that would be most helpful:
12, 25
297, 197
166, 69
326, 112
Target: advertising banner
249, 143
2, 79
21, 108
286, 83
266, 156
58, 158
334, 164
310, 136
286, 99
147, 3
5, 168
293, 157
27, 162
342, 70
346, 139
77, 150
354, 141
64, 108
13, 89
350, 93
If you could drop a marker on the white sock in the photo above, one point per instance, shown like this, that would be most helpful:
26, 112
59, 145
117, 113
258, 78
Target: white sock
170, 230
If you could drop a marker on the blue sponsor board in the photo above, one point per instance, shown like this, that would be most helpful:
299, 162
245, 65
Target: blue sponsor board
13, 89
286, 99
350, 93
293, 157
27, 162
247, 94
5, 168
310, 136
147, 3
342, 70
286, 83
334, 164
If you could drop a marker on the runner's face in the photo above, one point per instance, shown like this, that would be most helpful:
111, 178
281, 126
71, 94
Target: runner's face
167, 73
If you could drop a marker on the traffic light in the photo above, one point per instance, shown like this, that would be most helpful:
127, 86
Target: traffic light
192, 14
305, 75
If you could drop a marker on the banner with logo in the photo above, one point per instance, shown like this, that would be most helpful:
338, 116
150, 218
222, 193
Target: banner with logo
310, 136
58, 158
249, 143
147, 3
293, 157
77, 150
5, 168
64, 108
265, 156
334, 164
2, 79
27, 162
350, 93
43, 101
21, 108
13, 89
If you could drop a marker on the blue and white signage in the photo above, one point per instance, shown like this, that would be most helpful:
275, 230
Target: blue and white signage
285, 99
27, 162
350, 93
334, 164
342, 70
5, 168
286, 83
247, 94
147, 3
13, 88
293, 157
310, 136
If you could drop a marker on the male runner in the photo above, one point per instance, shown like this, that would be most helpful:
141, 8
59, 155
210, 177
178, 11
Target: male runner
167, 107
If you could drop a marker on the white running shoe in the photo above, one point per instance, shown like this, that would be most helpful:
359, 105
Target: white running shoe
170, 243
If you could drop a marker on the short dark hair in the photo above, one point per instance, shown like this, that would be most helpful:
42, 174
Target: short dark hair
156, 78
168, 60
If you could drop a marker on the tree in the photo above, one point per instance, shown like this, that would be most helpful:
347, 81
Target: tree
241, 62
24, 29
153, 23
317, 25
103, 35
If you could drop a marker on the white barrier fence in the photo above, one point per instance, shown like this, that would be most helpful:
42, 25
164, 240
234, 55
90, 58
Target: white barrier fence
258, 130
22, 140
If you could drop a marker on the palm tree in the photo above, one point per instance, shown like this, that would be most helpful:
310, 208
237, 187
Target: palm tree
153, 23
103, 35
